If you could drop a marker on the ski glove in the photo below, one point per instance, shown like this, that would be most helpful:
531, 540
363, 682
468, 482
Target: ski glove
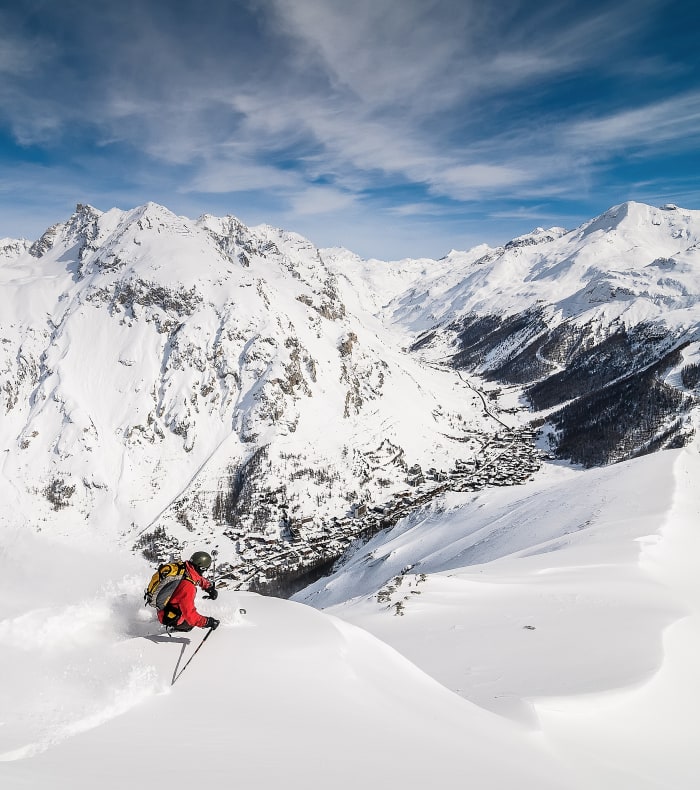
212, 623
213, 593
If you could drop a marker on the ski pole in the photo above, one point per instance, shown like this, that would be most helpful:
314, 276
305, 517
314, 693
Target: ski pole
214, 554
207, 635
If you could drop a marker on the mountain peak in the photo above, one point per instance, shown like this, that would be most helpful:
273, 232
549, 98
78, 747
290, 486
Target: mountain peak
537, 236
632, 217
154, 210
13, 248
86, 210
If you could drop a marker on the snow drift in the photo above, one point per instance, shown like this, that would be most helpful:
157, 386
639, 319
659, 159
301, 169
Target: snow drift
552, 637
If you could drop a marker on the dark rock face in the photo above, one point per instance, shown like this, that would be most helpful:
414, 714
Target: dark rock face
634, 416
605, 393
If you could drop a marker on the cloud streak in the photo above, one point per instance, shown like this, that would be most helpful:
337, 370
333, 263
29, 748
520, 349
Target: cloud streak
675, 119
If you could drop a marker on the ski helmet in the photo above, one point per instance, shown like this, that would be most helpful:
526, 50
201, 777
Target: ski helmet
201, 560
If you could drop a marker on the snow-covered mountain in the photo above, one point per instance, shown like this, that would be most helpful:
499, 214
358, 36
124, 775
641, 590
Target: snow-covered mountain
12, 248
600, 325
596, 271
167, 377
195, 382
169, 381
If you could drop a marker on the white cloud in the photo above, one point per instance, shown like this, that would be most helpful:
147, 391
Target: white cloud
464, 178
225, 176
651, 124
17, 57
321, 200
423, 209
379, 53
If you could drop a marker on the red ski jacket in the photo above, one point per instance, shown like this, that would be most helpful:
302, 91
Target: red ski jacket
183, 598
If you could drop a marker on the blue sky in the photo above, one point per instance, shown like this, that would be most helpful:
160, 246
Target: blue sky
392, 127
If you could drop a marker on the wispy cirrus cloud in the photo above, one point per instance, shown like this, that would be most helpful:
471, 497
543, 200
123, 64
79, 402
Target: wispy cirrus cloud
17, 57
673, 119
321, 200
320, 106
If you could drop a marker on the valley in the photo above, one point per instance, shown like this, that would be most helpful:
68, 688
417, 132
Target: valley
174, 383
311, 547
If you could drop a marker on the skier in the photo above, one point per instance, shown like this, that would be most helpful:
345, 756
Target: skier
179, 613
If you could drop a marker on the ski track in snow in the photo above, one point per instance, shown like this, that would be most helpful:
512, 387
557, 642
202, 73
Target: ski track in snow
87, 664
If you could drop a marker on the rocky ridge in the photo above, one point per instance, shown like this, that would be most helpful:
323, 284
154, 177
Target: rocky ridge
171, 382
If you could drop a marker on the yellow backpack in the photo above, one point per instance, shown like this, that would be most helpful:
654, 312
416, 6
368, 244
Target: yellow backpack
163, 584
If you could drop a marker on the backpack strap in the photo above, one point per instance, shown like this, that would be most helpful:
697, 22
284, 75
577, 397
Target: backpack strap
188, 575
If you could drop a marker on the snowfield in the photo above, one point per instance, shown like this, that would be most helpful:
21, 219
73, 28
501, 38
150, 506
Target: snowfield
548, 638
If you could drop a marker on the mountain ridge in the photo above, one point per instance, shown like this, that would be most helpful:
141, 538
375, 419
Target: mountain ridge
157, 369
199, 380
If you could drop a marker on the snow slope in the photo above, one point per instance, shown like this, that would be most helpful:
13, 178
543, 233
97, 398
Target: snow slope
283, 694
552, 642
633, 263
571, 608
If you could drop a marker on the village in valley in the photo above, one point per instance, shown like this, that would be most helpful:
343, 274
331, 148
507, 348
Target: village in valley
275, 538
305, 550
